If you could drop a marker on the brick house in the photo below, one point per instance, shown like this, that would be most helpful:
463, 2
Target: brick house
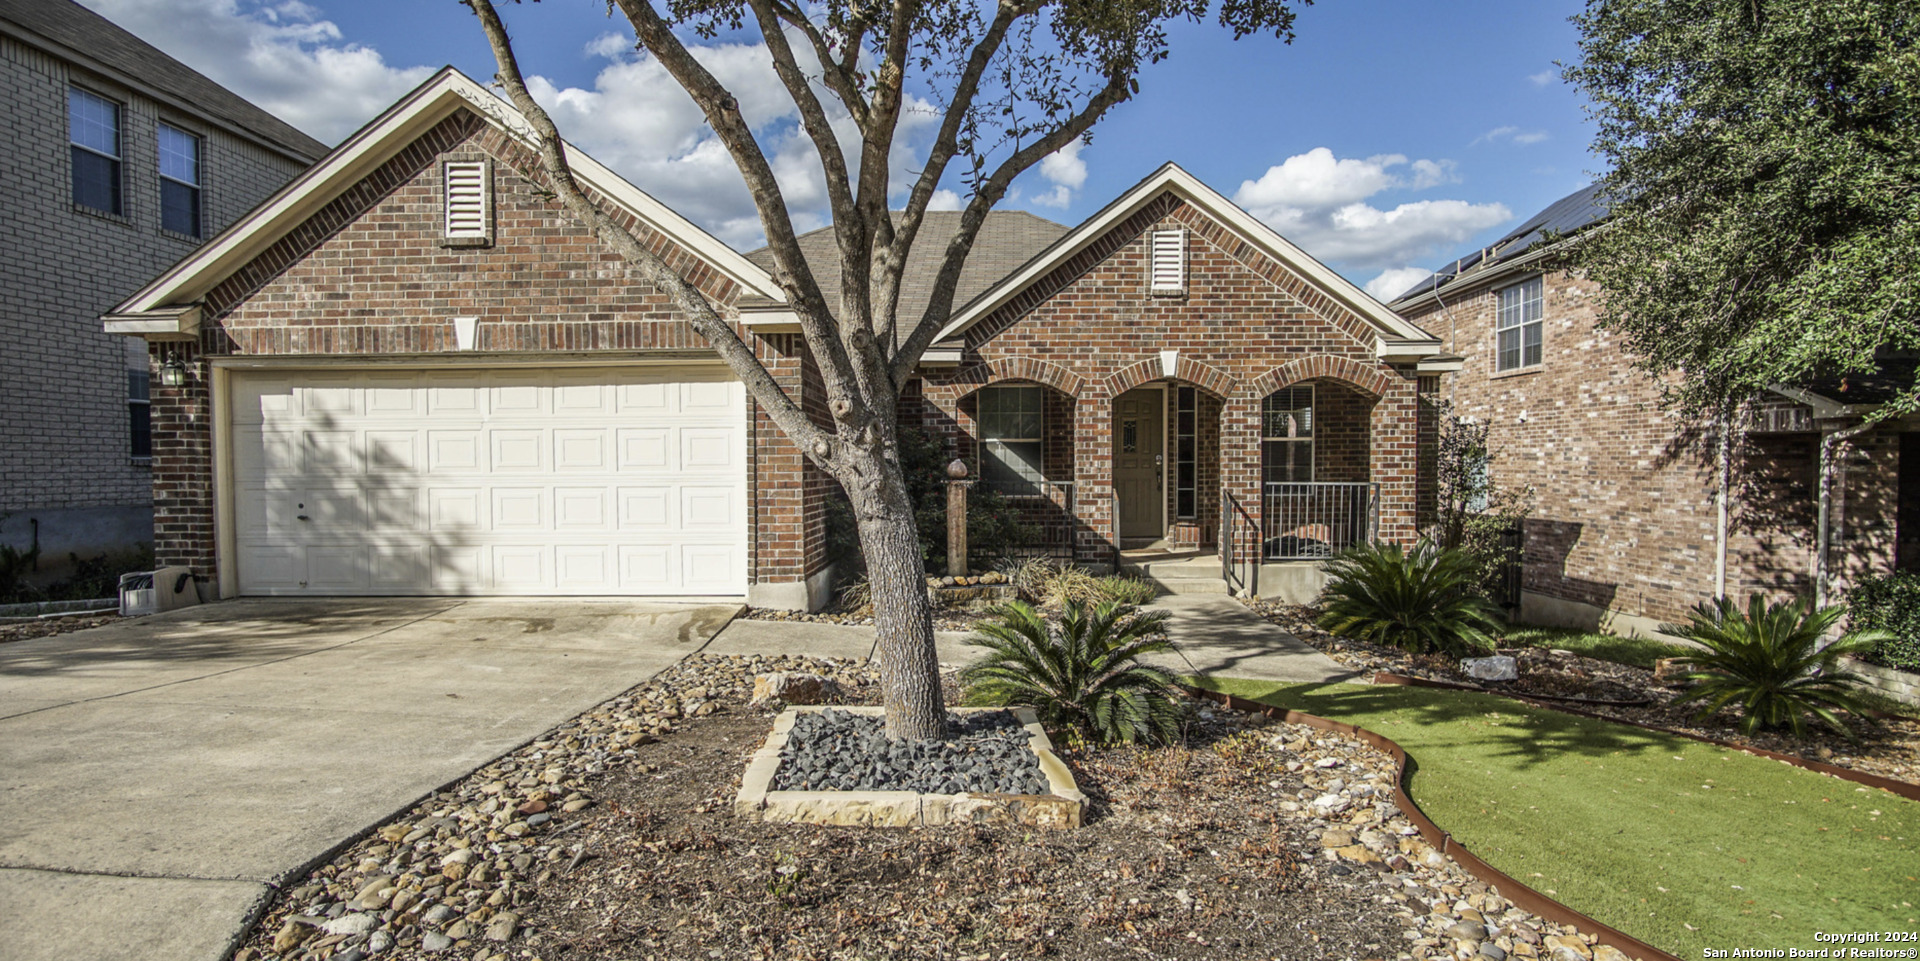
121, 161
412, 372
1626, 532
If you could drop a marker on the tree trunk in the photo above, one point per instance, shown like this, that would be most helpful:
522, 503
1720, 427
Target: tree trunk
909, 665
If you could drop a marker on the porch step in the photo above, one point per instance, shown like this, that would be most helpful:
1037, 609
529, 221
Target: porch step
1199, 574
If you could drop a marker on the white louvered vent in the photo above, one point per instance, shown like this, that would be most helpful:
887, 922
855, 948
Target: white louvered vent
1169, 268
466, 200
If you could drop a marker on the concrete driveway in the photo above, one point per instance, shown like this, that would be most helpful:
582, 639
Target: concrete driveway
158, 776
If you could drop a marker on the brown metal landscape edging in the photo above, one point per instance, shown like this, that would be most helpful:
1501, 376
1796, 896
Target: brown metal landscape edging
1904, 789
1458, 686
1520, 894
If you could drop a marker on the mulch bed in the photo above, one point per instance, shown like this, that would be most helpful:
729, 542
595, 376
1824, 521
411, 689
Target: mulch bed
614, 837
1889, 747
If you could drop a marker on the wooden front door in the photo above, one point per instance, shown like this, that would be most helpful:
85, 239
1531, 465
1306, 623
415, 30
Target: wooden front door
1139, 464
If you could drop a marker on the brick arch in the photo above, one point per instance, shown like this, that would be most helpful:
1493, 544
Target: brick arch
969, 379
1367, 379
1207, 377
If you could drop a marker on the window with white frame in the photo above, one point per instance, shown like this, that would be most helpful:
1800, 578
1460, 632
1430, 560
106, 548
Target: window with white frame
1519, 325
1286, 436
179, 180
1011, 421
93, 128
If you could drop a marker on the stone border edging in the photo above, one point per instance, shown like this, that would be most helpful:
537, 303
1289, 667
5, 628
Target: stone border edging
1519, 894
1904, 789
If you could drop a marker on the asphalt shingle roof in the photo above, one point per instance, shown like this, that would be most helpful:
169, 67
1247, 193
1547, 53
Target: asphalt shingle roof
87, 36
1008, 239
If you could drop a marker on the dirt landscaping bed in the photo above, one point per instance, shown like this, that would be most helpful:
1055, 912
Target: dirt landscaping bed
1889, 747
614, 837
21, 630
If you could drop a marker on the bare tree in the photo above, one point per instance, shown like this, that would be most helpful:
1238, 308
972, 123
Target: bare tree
1013, 82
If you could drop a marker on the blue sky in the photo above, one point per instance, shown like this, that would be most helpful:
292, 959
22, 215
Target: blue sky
1389, 138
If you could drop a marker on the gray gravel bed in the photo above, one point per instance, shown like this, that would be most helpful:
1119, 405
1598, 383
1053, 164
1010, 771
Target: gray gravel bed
989, 753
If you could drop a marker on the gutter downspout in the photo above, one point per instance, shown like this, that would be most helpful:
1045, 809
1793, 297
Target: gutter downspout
1724, 485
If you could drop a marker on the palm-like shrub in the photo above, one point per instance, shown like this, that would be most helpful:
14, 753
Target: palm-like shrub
1081, 673
1769, 661
1420, 600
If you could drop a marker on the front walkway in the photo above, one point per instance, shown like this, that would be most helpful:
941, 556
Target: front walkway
159, 775
1219, 636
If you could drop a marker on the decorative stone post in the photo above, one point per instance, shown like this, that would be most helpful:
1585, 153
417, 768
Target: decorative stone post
957, 518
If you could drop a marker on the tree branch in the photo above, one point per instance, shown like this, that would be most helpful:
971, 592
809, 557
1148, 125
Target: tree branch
839, 76
699, 312
940, 305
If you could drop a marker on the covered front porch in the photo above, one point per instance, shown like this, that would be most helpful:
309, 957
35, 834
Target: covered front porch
1175, 468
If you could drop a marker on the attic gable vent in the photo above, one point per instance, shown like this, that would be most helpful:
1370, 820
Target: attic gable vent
467, 200
1168, 271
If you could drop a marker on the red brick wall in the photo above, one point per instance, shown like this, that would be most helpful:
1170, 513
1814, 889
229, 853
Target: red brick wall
1625, 515
367, 274
1246, 327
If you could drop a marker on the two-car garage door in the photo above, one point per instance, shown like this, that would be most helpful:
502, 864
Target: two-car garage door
539, 481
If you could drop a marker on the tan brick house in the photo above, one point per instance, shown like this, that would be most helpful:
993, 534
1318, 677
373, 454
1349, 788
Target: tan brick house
411, 372
1627, 531
120, 161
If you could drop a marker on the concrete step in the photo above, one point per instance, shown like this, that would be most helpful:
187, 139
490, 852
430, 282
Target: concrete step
1182, 575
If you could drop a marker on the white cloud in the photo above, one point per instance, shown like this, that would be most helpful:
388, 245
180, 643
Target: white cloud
283, 57
945, 200
1395, 281
1065, 171
1511, 134
1543, 78
1320, 202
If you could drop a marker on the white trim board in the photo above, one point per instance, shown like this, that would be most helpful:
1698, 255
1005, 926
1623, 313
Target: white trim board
379, 141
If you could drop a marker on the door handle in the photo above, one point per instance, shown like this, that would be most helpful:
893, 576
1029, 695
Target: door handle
305, 517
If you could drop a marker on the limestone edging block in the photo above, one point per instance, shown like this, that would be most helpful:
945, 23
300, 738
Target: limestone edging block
1062, 807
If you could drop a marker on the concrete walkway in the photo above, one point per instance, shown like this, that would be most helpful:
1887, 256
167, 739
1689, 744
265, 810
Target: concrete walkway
159, 775
1219, 635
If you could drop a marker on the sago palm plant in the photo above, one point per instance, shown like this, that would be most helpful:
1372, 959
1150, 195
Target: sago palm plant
1081, 674
1768, 660
1419, 600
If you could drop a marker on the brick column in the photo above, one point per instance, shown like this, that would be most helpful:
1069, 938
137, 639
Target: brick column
1093, 477
183, 468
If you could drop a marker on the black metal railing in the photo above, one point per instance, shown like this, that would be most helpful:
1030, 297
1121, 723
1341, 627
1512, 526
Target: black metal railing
1313, 521
1044, 507
1240, 541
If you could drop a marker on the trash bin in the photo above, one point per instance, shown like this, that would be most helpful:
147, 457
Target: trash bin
136, 594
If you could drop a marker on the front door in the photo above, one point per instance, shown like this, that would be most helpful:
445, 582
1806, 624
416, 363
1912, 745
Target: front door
1139, 441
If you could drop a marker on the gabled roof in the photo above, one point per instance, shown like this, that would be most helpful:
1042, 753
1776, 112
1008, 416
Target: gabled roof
1007, 239
1564, 217
374, 144
1397, 337
75, 34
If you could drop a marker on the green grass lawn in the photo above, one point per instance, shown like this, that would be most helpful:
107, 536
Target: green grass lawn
1638, 651
1681, 844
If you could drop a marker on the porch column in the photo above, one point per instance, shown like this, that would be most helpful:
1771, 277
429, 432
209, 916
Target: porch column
1093, 477
1395, 459
1240, 462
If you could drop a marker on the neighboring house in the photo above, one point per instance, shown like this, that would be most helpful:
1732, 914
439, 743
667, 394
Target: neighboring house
411, 372
120, 161
1625, 531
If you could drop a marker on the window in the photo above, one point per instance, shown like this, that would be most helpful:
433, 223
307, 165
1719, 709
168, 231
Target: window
1011, 419
1168, 272
139, 415
179, 181
1519, 326
466, 201
94, 128
1286, 436
1185, 452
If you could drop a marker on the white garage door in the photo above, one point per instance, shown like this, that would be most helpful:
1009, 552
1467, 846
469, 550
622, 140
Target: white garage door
554, 481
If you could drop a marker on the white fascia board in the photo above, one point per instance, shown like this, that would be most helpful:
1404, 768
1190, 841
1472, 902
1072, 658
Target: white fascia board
1824, 408
181, 323
941, 356
771, 321
1171, 178
1391, 350
1438, 366
375, 144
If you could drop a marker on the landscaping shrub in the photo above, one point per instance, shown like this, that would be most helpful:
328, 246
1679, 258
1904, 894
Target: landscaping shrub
1471, 513
1080, 674
1768, 660
1890, 604
1030, 576
1422, 600
994, 527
